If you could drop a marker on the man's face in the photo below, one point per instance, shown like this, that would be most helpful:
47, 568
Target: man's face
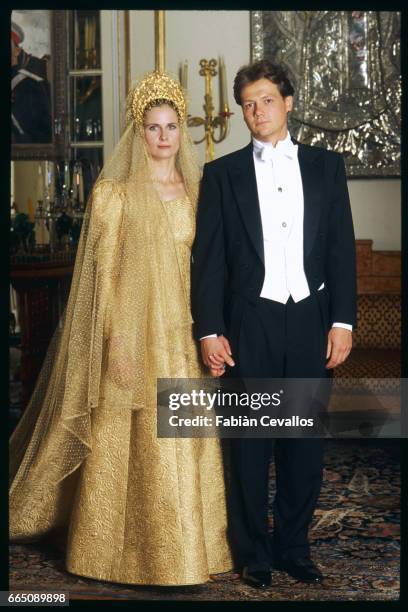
265, 110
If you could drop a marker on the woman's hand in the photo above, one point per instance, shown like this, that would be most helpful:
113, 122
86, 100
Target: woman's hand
216, 352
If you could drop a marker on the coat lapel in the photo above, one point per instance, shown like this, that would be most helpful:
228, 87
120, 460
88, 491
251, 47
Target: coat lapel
246, 193
312, 172
245, 189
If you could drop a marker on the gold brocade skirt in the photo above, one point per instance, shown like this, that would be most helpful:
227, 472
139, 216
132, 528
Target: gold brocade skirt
139, 509
148, 510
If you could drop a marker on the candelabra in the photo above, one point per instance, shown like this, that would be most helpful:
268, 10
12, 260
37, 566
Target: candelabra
60, 216
210, 121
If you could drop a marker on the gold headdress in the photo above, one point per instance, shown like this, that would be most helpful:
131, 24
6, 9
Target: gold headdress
155, 86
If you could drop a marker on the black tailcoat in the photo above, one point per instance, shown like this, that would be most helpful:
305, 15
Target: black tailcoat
269, 339
227, 254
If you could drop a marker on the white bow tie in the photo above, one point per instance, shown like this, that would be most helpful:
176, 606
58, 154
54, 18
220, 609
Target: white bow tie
270, 153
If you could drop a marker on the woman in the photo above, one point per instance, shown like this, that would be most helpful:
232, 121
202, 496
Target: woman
85, 457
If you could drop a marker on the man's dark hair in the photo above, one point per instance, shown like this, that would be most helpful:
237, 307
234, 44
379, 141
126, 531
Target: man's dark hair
264, 69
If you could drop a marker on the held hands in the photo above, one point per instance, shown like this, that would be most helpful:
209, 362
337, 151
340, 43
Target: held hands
339, 343
215, 352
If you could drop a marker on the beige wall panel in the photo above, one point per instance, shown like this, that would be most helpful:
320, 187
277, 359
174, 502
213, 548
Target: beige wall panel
194, 35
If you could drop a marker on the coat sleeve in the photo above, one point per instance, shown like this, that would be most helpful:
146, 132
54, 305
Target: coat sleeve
208, 259
341, 260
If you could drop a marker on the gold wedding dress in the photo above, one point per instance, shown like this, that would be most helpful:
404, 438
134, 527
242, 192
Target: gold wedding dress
85, 459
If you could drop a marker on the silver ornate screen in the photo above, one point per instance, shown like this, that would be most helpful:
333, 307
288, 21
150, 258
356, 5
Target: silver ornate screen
345, 67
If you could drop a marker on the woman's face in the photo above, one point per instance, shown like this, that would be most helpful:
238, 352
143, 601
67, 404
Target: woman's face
162, 132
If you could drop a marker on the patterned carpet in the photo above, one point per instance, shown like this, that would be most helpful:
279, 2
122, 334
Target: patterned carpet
355, 540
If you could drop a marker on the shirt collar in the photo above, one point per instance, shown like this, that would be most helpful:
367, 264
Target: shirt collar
266, 151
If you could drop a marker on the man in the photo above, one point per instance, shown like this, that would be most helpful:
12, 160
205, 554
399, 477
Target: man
273, 295
30, 94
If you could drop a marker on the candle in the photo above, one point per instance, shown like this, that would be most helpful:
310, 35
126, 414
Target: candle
184, 75
40, 183
51, 186
81, 185
46, 183
75, 184
12, 182
220, 83
223, 77
66, 176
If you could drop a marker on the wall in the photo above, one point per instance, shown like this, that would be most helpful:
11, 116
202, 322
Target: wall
194, 35
376, 207
25, 184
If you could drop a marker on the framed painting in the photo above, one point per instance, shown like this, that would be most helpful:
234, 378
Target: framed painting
345, 68
38, 83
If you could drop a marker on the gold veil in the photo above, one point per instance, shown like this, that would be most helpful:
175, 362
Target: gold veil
119, 314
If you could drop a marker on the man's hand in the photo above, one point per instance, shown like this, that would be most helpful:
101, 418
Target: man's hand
339, 343
215, 352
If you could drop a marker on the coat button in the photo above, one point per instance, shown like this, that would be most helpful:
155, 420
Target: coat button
280, 189
284, 224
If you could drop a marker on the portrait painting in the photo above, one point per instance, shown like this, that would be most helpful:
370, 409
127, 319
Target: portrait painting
32, 85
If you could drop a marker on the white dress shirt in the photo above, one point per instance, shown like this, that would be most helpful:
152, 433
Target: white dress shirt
280, 195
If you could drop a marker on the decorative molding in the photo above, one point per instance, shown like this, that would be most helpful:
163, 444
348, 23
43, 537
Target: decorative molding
257, 45
127, 50
160, 40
